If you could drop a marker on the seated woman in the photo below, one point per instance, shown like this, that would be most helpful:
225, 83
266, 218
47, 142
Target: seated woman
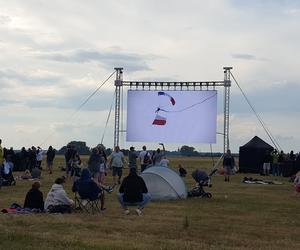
57, 200
36, 173
6, 172
87, 188
34, 198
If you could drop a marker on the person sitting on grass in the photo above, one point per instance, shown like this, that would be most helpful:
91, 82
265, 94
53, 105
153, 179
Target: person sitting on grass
34, 198
164, 162
182, 171
57, 200
6, 172
133, 192
36, 173
117, 162
87, 188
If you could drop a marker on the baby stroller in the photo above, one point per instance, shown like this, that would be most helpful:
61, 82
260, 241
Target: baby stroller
203, 179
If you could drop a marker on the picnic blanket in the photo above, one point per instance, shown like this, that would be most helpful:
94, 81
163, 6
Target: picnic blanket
17, 209
250, 180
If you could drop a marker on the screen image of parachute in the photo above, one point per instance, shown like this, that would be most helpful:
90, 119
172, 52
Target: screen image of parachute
172, 116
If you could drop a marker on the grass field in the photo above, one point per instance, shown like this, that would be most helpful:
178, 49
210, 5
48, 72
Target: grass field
239, 216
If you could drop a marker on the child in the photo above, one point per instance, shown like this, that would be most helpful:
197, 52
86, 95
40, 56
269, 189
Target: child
182, 171
297, 184
75, 167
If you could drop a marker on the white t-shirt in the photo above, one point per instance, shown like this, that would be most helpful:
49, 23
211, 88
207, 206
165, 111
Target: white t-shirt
40, 155
164, 163
142, 155
8, 166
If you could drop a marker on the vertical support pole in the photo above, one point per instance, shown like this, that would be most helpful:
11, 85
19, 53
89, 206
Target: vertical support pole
227, 84
118, 85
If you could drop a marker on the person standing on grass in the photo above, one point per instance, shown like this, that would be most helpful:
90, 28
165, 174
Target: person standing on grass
133, 192
158, 155
69, 155
144, 158
281, 160
297, 184
39, 157
1, 153
267, 163
117, 163
102, 172
228, 164
94, 164
50, 158
132, 156
275, 163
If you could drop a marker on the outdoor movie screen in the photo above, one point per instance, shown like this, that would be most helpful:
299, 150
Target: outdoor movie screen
172, 116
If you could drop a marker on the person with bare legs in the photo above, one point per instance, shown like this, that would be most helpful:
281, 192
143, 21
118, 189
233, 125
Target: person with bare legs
228, 165
116, 163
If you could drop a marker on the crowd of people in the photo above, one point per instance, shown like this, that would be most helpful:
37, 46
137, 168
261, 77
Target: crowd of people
89, 181
274, 162
29, 160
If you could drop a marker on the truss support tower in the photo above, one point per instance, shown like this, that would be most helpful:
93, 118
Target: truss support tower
118, 85
227, 84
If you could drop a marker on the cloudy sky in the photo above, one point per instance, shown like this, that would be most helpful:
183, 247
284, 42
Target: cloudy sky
54, 54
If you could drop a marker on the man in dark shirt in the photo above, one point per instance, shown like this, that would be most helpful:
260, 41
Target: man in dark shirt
133, 191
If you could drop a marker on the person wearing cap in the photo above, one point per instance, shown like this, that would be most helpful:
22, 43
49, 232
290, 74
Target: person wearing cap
133, 192
132, 156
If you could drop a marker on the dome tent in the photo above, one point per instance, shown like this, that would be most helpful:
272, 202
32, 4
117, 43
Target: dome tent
252, 154
164, 183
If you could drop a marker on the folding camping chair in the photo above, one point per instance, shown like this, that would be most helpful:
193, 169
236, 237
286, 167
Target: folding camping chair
87, 205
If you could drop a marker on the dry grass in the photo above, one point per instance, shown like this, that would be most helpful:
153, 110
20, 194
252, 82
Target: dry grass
239, 216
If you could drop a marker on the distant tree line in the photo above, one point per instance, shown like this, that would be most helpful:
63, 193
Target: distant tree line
186, 151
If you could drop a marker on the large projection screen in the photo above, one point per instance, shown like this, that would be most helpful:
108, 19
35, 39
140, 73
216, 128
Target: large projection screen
172, 116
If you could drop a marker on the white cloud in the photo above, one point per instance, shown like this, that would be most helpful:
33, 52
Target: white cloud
171, 40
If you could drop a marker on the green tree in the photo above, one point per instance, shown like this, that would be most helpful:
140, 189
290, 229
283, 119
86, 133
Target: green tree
187, 151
